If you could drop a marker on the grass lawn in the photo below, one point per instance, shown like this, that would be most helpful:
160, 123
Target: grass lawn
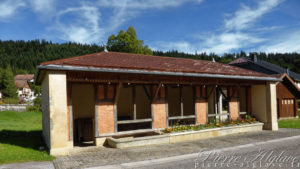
20, 137
290, 123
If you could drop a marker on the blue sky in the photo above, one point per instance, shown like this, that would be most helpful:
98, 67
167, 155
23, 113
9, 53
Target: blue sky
191, 26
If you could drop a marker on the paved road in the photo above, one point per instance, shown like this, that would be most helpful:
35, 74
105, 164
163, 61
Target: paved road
98, 156
279, 153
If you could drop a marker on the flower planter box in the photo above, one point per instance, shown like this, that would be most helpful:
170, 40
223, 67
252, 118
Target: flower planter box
182, 136
141, 141
213, 132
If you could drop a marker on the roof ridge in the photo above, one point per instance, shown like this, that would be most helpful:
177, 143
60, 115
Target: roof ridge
166, 57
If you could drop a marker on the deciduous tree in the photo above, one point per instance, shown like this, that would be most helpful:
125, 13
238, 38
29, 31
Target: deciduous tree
127, 42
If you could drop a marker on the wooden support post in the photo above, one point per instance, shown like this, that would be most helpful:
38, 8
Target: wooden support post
239, 100
229, 98
194, 101
226, 97
296, 107
117, 95
215, 96
156, 92
134, 102
279, 107
96, 111
147, 92
167, 105
118, 92
218, 102
249, 101
211, 92
206, 91
181, 101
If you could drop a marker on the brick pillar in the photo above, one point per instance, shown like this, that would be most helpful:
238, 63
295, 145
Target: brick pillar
234, 109
233, 103
106, 123
201, 111
159, 107
105, 109
201, 105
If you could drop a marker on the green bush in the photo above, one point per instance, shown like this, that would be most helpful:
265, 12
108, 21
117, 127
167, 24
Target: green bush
10, 100
37, 105
33, 109
37, 102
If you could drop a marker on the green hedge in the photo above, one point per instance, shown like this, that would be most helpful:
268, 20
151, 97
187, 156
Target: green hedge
10, 101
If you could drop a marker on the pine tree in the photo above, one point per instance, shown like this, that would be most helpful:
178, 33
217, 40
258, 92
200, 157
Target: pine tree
7, 83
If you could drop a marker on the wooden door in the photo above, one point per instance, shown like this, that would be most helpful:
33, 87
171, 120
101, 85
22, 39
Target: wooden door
287, 108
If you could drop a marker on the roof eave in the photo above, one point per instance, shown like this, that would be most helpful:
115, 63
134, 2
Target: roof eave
135, 71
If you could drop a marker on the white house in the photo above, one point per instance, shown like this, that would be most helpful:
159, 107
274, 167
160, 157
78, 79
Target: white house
25, 93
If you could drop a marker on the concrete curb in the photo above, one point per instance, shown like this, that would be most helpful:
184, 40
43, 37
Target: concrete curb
188, 156
29, 165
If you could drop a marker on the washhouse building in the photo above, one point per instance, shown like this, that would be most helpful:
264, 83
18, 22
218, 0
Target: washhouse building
88, 98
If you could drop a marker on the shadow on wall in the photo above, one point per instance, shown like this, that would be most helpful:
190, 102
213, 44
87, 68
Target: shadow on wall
27, 139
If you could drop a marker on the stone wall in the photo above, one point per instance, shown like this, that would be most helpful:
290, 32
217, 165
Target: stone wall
13, 107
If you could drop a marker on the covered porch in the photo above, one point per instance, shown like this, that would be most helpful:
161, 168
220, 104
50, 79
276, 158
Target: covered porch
101, 105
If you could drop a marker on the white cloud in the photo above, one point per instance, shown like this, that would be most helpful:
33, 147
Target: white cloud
285, 43
235, 34
87, 27
219, 44
246, 16
143, 4
9, 7
182, 46
128, 9
43, 7
228, 42
83, 26
270, 28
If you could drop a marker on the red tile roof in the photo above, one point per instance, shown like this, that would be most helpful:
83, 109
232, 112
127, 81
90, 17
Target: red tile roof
25, 77
239, 60
21, 80
152, 63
